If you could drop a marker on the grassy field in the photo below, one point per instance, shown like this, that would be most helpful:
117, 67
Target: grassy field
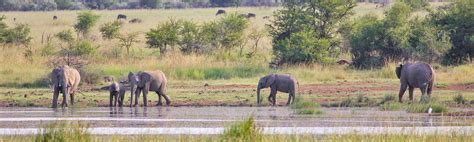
231, 78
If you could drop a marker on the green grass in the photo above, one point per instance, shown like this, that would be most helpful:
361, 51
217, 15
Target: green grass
423, 108
63, 131
242, 131
305, 107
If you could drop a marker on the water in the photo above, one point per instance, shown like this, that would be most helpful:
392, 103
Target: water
213, 120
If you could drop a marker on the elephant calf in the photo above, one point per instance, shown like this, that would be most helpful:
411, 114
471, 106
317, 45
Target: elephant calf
117, 94
415, 75
277, 82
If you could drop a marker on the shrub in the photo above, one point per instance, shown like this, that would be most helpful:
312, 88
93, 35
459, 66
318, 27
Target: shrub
164, 35
315, 22
110, 30
19, 35
83, 48
305, 107
243, 131
459, 99
189, 40
85, 21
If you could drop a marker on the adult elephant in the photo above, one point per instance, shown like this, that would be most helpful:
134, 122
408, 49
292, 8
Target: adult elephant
277, 82
148, 81
415, 75
65, 80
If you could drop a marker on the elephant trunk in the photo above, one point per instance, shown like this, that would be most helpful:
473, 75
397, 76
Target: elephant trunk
258, 94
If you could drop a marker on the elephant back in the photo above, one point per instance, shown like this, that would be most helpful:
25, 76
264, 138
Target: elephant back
418, 74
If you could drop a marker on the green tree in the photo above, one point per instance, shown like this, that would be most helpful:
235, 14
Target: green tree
230, 31
457, 20
127, 40
426, 43
151, 3
321, 17
189, 40
110, 30
18, 35
85, 21
417, 4
164, 36
64, 4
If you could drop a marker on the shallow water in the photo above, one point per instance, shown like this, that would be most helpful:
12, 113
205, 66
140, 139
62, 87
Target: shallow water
212, 120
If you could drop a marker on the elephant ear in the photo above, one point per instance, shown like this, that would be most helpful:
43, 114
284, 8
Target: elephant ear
398, 70
270, 80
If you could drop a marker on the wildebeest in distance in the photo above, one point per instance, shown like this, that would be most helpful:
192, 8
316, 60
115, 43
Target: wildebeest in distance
121, 16
55, 17
135, 20
220, 11
251, 15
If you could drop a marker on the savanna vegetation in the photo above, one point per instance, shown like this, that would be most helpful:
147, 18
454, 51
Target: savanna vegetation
240, 131
194, 47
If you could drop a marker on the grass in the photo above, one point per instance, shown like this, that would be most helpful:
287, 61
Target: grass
423, 108
305, 107
242, 131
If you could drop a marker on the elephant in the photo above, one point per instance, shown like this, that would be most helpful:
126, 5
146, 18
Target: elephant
415, 75
148, 81
64, 79
277, 82
117, 94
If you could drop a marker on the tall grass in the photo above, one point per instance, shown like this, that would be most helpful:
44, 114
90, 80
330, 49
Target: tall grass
64, 131
305, 107
243, 131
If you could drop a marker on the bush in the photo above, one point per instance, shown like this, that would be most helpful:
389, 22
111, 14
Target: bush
459, 99
302, 47
315, 22
84, 48
110, 30
305, 107
85, 21
19, 35
243, 131
164, 35
189, 40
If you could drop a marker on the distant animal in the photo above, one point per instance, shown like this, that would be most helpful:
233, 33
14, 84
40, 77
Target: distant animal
266, 17
277, 82
55, 17
148, 81
343, 61
14, 19
117, 94
135, 20
220, 11
415, 75
251, 15
65, 80
108, 79
122, 16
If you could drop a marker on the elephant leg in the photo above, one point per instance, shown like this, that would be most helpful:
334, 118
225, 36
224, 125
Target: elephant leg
410, 93
273, 93
137, 95
424, 97
55, 97
430, 89
167, 99
403, 88
145, 97
159, 99
291, 96
110, 99
270, 97
72, 98
115, 100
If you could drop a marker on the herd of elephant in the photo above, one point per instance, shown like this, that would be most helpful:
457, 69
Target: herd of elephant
66, 80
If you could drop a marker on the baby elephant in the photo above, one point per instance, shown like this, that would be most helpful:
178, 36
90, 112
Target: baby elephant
277, 82
117, 93
415, 75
